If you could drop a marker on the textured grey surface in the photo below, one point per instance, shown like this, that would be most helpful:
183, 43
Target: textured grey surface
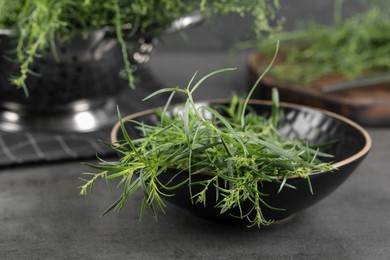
43, 217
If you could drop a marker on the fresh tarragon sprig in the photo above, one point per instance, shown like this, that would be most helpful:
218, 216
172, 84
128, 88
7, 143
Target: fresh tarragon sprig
236, 147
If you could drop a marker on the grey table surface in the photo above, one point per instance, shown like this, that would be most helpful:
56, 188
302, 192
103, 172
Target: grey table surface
42, 215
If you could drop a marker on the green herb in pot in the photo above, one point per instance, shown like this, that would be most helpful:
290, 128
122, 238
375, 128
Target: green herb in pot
38, 24
353, 47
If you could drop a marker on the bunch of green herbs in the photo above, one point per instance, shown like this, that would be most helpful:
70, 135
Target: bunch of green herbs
232, 144
38, 24
354, 47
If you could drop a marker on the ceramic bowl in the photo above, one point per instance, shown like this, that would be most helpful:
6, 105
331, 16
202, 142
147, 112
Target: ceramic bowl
302, 122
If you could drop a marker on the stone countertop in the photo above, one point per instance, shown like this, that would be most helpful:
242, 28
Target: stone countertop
43, 217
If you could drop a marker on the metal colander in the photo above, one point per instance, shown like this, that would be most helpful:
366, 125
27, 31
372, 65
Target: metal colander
82, 74
83, 68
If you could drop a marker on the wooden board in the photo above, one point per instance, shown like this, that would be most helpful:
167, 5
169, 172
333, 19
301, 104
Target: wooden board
368, 106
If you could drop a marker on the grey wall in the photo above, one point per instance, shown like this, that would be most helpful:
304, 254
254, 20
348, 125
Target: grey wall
220, 32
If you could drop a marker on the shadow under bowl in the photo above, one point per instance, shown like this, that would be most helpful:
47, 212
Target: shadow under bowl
299, 122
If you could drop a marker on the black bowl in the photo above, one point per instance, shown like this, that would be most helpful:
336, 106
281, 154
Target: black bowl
301, 122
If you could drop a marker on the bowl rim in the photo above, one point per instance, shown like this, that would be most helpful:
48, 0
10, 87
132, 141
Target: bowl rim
360, 154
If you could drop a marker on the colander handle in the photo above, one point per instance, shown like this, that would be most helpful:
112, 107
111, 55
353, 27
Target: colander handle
186, 21
6, 32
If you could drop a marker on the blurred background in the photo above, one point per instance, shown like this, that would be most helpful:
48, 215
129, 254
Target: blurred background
220, 33
213, 41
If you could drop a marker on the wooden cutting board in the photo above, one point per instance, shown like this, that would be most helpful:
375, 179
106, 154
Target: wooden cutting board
368, 105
